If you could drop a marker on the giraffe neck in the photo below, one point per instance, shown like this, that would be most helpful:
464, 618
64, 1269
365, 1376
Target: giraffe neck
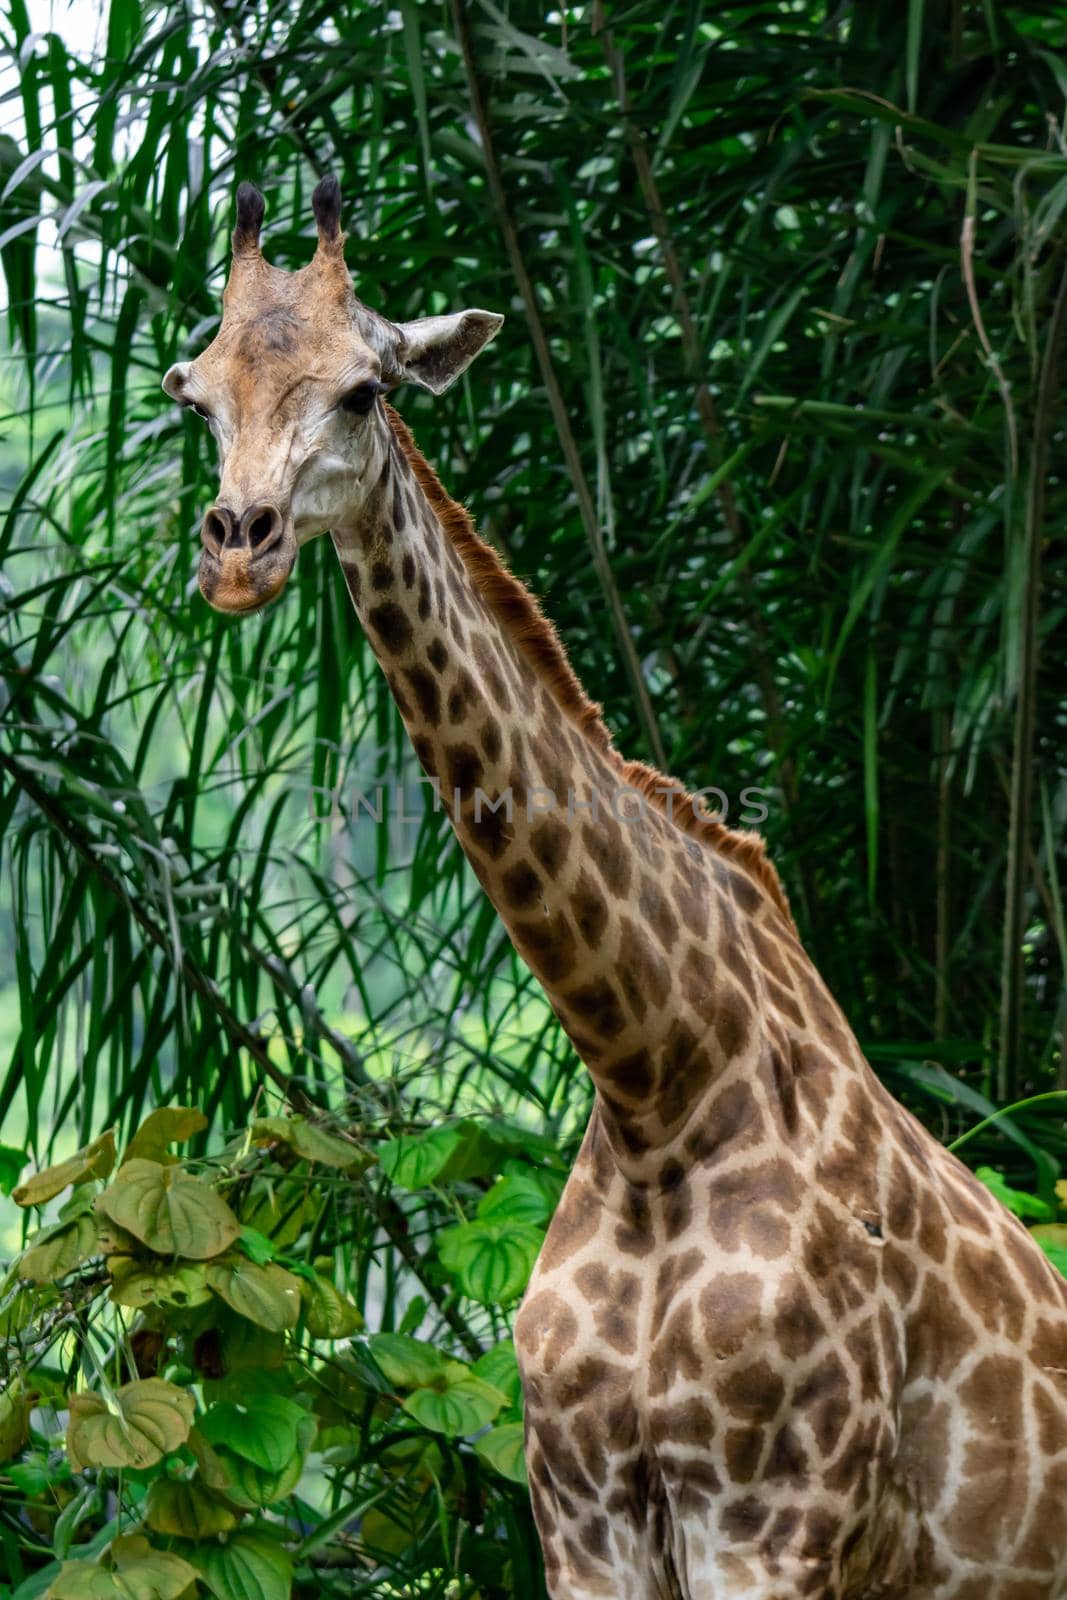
637, 918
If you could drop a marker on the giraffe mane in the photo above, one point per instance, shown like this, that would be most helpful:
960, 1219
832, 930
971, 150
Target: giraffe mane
536, 636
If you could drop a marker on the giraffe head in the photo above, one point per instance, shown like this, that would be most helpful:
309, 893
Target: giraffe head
290, 389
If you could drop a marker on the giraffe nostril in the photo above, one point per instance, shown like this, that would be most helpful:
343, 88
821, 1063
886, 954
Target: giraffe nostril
215, 529
260, 528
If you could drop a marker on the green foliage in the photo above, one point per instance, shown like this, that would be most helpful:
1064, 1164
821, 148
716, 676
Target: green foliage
491, 1260
1018, 1202
781, 475
1052, 1237
228, 1430
130, 1570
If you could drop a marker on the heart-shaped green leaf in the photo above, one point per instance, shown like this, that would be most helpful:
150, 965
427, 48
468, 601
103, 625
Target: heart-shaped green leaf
130, 1570
459, 1402
407, 1363
187, 1509
252, 1488
265, 1432
79, 1202
461, 1150
414, 1160
145, 1421
328, 1314
500, 1367
115, 1241
138, 1282
256, 1246
213, 1469
171, 1212
169, 1125
251, 1565
267, 1295
57, 1251
519, 1197
308, 1140
16, 1403
491, 1261
93, 1161
503, 1449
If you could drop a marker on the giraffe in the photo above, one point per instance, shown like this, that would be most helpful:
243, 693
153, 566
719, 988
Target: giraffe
778, 1343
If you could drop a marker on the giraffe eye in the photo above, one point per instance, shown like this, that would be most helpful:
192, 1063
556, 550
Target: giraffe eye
190, 405
358, 401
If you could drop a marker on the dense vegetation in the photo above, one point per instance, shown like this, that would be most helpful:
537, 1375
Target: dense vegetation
773, 428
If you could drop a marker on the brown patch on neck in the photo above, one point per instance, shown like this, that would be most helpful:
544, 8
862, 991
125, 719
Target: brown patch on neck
535, 636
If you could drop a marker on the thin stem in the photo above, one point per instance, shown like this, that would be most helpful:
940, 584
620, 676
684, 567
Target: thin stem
1005, 1111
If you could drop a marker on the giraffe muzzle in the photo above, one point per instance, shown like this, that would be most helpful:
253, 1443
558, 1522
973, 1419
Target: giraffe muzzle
247, 558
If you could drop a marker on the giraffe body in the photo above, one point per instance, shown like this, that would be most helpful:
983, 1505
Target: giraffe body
804, 1406
778, 1343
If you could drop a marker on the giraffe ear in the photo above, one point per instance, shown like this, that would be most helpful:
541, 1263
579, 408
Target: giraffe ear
433, 351
174, 379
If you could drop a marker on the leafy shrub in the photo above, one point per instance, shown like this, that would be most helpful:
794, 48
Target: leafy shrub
191, 1402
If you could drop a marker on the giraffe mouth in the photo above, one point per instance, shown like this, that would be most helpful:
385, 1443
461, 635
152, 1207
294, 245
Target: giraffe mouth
239, 584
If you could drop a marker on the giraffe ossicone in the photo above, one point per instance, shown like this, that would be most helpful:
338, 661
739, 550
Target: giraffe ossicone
779, 1343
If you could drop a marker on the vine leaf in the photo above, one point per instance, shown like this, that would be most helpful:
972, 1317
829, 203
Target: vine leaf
308, 1140
213, 1469
458, 1403
328, 1314
503, 1449
499, 1366
92, 1161
267, 1433
251, 1565
57, 1251
406, 1362
491, 1261
139, 1283
252, 1487
267, 1295
144, 1421
519, 1197
130, 1570
171, 1212
165, 1126
461, 1150
187, 1509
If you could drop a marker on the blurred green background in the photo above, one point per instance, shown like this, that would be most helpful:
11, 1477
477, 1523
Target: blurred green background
773, 427
781, 286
